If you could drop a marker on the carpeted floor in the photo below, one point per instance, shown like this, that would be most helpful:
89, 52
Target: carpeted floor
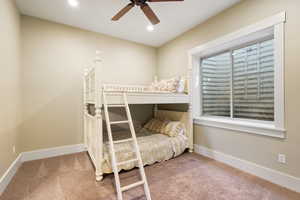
188, 177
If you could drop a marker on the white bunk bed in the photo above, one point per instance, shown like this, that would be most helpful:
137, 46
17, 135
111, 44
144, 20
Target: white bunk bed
136, 94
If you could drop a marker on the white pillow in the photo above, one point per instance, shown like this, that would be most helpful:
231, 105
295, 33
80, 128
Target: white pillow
181, 85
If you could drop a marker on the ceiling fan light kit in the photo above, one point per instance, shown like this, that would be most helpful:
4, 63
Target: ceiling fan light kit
73, 3
144, 7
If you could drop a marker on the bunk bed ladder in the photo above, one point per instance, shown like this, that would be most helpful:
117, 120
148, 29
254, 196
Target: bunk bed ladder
133, 139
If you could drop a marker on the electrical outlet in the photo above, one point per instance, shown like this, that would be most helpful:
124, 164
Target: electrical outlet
281, 158
14, 149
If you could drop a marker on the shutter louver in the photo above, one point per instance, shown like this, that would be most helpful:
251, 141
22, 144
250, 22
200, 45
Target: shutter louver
216, 76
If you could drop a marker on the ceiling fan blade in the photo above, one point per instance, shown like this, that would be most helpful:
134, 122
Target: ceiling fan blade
163, 0
150, 14
122, 12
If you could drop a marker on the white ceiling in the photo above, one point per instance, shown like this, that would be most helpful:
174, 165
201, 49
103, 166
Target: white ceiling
95, 15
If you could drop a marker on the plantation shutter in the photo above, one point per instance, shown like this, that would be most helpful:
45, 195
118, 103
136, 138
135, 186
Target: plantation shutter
248, 75
253, 82
216, 78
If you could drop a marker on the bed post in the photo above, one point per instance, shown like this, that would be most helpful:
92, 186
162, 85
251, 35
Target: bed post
155, 110
85, 108
98, 115
190, 109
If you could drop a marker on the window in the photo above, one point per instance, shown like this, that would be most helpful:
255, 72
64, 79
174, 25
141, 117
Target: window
238, 80
216, 85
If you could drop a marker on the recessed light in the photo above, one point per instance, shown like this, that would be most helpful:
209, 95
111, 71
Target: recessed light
150, 28
73, 3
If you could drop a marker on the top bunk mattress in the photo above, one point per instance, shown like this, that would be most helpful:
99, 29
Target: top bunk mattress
171, 91
177, 85
142, 98
148, 98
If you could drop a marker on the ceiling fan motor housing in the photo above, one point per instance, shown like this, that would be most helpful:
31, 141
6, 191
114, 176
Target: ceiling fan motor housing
138, 2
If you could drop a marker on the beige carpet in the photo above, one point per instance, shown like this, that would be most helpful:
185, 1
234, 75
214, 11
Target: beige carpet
188, 177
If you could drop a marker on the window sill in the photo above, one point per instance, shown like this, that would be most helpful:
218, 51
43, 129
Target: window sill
248, 126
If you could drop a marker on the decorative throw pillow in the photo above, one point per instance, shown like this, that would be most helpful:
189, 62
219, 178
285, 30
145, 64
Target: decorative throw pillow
163, 126
174, 128
181, 85
149, 124
172, 84
157, 126
154, 125
186, 86
161, 86
166, 85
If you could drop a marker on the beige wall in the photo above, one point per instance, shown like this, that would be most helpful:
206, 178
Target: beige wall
54, 55
172, 60
9, 82
53, 60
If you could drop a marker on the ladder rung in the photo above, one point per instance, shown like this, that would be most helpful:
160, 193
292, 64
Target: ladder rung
120, 122
127, 161
116, 105
128, 187
122, 141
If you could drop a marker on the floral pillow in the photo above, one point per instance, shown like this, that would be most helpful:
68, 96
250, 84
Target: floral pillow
154, 125
148, 125
167, 85
170, 128
163, 126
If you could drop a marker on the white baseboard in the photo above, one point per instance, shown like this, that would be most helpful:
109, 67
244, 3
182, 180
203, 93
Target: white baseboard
36, 155
52, 152
279, 178
9, 174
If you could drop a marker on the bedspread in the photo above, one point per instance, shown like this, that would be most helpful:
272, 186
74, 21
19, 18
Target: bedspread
153, 147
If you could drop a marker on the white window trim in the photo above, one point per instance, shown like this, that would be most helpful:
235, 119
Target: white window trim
274, 129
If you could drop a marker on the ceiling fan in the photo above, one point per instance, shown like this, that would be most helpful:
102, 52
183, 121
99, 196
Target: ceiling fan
145, 8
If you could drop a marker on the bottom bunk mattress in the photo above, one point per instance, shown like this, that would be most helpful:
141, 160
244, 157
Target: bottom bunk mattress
154, 147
